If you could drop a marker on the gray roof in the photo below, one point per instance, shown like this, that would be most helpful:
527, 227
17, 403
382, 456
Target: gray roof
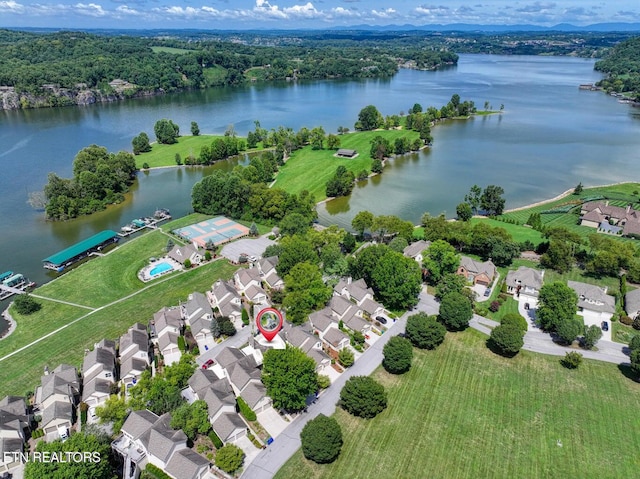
10, 444
370, 306
201, 324
168, 339
14, 404
298, 337
334, 336
478, 267
593, 297
243, 371
245, 276
201, 379
102, 357
340, 305
322, 319
223, 288
414, 249
107, 344
11, 422
57, 410
254, 393
228, 356
216, 400
63, 380
134, 336
132, 365
227, 308
197, 306
161, 440
268, 264
318, 356
139, 422
182, 253
355, 323
101, 386
527, 276
187, 464
253, 291
632, 301
167, 317
226, 424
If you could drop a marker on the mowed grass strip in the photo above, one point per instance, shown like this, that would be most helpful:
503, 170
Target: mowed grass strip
22, 372
309, 169
104, 279
518, 233
463, 412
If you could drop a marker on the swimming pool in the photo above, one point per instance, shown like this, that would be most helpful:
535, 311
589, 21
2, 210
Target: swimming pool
159, 269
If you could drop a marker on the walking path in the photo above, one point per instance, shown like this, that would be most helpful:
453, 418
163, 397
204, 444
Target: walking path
270, 460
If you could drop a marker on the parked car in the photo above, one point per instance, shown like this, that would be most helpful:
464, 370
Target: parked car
207, 364
526, 306
487, 292
253, 259
605, 326
382, 319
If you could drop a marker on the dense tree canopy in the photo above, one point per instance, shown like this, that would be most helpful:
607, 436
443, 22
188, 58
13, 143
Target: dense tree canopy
557, 304
290, 377
321, 439
455, 311
424, 331
304, 292
440, 259
229, 458
192, 418
507, 338
363, 396
398, 354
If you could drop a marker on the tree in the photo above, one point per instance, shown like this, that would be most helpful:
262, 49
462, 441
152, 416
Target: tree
507, 339
290, 377
450, 282
492, 201
253, 230
455, 311
398, 244
396, 280
398, 354
333, 141
557, 304
441, 258
166, 131
98, 467
559, 256
345, 357
115, 411
226, 326
380, 149
349, 242
571, 360
229, 458
26, 304
294, 223
195, 129
317, 138
473, 198
304, 292
424, 331
321, 439
363, 220
140, 143
369, 118
569, 329
192, 418
295, 249
578, 189
464, 212
377, 166
592, 335
515, 319
362, 396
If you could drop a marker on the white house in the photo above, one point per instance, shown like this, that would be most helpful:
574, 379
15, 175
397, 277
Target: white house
166, 328
134, 354
228, 301
268, 273
594, 304
525, 283
244, 278
416, 250
183, 253
198, 314
55, 400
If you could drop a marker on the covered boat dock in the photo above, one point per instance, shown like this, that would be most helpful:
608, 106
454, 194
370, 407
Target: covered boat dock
66, 257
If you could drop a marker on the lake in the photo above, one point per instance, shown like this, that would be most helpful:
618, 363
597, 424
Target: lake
549, 137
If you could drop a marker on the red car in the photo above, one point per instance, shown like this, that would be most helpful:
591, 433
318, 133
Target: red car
207, 364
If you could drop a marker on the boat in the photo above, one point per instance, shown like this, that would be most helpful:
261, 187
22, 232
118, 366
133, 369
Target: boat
162, 214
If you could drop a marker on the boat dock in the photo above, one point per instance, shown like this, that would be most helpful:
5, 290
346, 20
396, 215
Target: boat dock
13, 283
139, 224
62, 259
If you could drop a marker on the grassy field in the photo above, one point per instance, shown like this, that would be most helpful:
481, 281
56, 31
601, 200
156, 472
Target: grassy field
518, 233
463, 412
214, 75
165, 155
175, 51
22, 371
310, 170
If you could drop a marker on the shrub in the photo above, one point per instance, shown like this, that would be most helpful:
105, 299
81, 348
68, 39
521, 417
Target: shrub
207, 255
245, 317
424, 331
187, 263
155, 471
516, 320
321, 439
345, 357
571, 360
229, 458
323, 381
25, 304
495, 306
455, 311
245, 410
624, 319
592, 335
398, 355
145, 166
226, 326
634, 344
636, 323
507, 339
217, 442
362, 396
181, 345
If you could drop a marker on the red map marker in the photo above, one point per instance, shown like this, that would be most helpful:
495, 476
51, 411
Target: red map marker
269, 322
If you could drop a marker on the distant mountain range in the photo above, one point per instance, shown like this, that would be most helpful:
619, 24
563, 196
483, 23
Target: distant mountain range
469, 27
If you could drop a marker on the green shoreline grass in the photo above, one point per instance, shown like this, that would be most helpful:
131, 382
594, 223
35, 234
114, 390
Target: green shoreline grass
463, 412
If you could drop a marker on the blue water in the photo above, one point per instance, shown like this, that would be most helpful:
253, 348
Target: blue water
159, 269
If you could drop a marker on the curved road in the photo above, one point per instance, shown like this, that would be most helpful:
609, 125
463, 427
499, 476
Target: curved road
270, 460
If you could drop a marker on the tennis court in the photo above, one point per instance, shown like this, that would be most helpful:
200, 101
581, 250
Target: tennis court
217, 230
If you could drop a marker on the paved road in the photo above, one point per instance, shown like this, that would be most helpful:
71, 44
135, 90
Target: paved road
271, 459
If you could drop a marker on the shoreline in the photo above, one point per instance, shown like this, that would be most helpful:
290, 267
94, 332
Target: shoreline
12, 324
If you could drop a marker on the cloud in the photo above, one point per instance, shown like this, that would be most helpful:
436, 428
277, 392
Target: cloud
90, 9
344, 12
125, 10
537, 7
11, 7
387, 13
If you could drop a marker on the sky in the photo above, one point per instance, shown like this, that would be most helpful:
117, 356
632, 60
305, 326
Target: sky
287, 14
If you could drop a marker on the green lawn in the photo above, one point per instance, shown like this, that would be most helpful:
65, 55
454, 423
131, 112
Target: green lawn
22, 372
165, 155
309, 169
102, 280
214, 75
175, 51
463, 412
519, 233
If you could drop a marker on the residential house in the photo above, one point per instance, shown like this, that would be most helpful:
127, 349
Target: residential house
302, 337
149, 439
268, 273
477, 272
183, 253
55, 401
14, 419
609, 218
98, 376
244, 278
134, 354
416, 250
594, 304
349, 313
632, 303
225, 297
166, 328
198, 314
525, 283
326, 327
336, 339
257, 295
359, 293
245, 379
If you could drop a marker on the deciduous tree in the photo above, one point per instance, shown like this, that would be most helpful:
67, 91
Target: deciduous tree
229, 458
455, 311
507, 339
290, 377
441, 258
321, 439
424, 331
398, 354
363, 396
304, 292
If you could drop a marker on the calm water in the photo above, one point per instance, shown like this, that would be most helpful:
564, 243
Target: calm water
550, 136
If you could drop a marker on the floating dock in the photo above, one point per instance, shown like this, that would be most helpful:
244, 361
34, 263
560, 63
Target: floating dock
62, 259
138, 224
13, 283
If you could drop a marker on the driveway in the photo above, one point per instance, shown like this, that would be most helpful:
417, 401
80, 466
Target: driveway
272, 422
528, 314
592, 318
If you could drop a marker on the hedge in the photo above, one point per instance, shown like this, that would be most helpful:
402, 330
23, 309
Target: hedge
215, 440
245, 410
156, 472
